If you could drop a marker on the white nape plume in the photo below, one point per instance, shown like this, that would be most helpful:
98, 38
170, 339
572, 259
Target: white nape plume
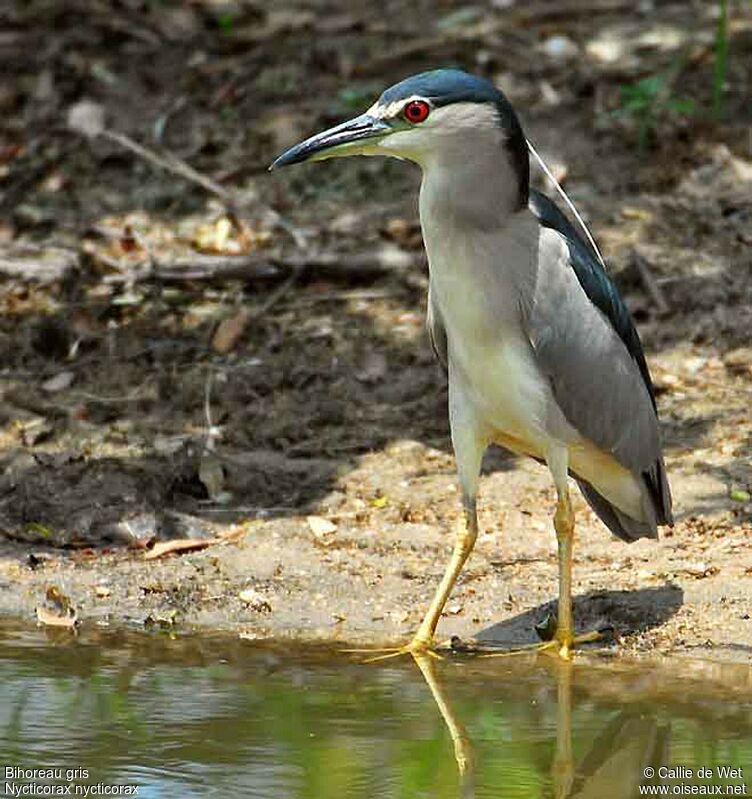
566, 199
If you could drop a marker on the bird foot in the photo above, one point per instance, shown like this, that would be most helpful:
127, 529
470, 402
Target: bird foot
418, 646
561, 645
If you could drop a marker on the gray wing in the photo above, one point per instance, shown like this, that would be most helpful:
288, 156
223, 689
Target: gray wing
597, 383
436, 331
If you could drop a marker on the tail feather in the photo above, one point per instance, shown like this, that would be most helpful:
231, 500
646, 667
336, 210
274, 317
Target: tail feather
657, 483
621, 525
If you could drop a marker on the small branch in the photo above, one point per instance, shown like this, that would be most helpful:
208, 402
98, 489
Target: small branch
197, 268
233, 204
212, 433
136, 395
651, 284
545, 11
348, 295
276, 295
265, 266
45, 265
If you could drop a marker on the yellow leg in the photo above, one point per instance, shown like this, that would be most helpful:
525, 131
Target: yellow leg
564, 525
564, 638
423, 640
466, 535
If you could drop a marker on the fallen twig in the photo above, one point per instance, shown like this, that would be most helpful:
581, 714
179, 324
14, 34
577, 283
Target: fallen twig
45, 265
253, 266
546, 11
265, 266
87, 119
351, 295
651, 284
137, 395
176, 545
276, 295
212, 432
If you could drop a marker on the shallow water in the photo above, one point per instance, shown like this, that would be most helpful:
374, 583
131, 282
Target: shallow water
204, 717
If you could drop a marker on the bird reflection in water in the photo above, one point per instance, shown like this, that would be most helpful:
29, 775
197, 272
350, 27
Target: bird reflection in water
613, 766
463, 748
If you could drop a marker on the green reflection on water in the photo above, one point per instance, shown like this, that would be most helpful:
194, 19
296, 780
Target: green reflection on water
209, 717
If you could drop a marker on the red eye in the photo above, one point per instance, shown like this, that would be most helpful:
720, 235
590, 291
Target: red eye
416, 111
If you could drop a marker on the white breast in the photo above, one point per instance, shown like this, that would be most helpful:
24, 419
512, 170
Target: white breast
478, 283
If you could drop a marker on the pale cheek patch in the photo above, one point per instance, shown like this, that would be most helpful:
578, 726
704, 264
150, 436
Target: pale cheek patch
391, 110
465, 116
450, 119
445, 125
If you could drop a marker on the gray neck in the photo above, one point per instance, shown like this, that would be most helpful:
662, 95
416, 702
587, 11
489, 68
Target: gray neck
470, 187
481, 244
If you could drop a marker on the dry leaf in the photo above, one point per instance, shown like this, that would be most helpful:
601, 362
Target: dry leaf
35, 431
162, 548
739, 361
59, 382
211, 474
216, 237
164, 620
255, 600
7, 231
700, 570
58, 598
53, 618
87, 118
560, 48
229, 331
54, 181
321, 526
373, 368
235, 532
405, 232
128, 241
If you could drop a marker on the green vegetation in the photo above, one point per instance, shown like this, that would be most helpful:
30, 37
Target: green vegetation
225, 22
720, 62
651, 100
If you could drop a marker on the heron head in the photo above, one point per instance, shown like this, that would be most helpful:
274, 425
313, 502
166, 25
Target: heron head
430, 118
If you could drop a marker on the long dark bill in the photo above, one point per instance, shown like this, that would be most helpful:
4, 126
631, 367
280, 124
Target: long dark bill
335, 141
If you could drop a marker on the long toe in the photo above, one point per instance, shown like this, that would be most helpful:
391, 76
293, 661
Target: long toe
562, 645
418, 646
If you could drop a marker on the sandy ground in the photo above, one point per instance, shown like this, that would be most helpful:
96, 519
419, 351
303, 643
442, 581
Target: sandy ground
370, 579
126, 422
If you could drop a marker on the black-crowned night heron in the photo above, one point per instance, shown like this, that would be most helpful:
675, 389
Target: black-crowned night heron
541, 353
